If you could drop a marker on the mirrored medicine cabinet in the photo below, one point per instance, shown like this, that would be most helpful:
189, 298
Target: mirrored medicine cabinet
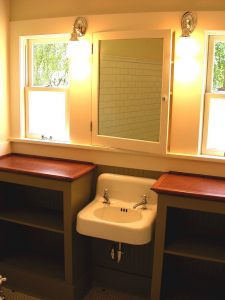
131, 89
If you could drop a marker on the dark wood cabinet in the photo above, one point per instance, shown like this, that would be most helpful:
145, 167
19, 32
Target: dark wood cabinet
189, 253
39, 245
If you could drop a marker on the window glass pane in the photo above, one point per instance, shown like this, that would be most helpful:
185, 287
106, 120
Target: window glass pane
219, 67
50, 65
47, 114
216, 124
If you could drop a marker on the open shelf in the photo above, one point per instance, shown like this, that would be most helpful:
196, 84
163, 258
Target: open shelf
31, 206
31, 249
189, 257
37, 218
195, 234
43, 265
197, 248
41, 253
187, 278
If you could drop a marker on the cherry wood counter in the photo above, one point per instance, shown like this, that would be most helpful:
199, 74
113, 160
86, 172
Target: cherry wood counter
44, 167
191, 185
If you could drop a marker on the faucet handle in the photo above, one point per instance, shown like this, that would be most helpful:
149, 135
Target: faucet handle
106, 192
144, 201
2, 279
144, 198
106, 196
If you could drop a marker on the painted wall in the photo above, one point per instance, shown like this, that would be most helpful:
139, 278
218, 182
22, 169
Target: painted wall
143, 48
185, 110
4, 120
32, 9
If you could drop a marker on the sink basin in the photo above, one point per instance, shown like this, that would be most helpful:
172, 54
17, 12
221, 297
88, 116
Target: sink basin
119, 221
117, 214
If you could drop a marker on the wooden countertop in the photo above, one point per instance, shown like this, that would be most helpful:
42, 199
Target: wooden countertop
191, 185
59, 169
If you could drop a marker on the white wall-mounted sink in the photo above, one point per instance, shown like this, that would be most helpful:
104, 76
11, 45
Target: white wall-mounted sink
119, 221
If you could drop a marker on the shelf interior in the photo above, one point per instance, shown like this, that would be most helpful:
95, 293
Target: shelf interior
188, 278
37, 218
195, 234
31, 206
31, 249
205, 249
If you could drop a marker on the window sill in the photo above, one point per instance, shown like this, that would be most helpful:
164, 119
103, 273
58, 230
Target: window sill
203, 158
199, 157
80, 146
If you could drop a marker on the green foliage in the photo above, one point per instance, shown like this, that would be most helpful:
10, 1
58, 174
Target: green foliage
219, 67
50, 65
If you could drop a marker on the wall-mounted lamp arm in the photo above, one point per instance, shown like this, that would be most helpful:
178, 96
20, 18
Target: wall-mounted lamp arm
188, 23
79, 28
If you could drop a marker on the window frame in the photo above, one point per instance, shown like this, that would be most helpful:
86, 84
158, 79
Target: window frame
161, 146
209, 94
27, 45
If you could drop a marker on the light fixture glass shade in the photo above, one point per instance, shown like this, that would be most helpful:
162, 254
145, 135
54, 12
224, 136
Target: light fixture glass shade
78, 49
186, 47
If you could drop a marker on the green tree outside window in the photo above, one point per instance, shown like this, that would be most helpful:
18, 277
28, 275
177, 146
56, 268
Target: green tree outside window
50, 65
219, 67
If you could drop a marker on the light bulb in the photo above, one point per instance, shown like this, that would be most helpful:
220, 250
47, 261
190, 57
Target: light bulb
186, 47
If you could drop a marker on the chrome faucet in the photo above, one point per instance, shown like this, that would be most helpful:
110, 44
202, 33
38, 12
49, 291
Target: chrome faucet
143, 202
106, 196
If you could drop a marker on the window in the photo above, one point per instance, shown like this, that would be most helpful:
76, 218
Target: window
214, 115
46, 88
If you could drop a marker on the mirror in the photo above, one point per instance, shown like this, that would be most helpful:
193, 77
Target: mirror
131, 78
130, 83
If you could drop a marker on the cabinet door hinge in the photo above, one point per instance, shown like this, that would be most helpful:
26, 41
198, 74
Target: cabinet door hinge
91, 126
92, 48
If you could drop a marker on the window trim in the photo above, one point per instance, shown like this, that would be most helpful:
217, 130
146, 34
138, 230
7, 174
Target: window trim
211, 41
134, 144
211, 37
27, 84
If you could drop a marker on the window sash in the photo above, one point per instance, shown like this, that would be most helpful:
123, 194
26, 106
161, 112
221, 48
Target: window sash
210, 63
31, 43
28, 74
205, 149
32, 135
210, 95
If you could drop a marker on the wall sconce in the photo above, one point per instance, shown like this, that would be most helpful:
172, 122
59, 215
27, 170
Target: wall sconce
79, 29
187, 67
79, 51
188, 23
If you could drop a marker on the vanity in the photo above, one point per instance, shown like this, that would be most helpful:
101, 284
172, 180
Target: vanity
39, 252
189, 253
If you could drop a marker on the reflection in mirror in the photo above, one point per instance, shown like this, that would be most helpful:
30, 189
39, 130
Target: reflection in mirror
130, 83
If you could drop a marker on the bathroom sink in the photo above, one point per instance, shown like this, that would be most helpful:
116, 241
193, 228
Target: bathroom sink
119, 220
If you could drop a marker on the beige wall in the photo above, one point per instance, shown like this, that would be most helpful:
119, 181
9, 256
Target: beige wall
4, 122
186, 102
33, 9
143, 48
186, 106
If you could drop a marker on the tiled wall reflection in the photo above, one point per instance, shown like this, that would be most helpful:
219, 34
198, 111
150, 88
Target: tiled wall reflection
130, 98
